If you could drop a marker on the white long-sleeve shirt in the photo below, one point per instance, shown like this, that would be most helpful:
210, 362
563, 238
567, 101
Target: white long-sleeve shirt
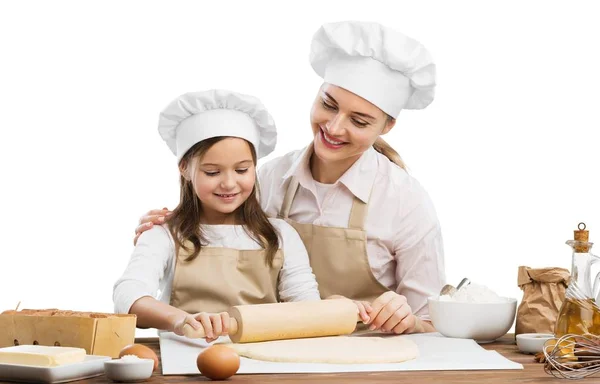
404, 239
152, 265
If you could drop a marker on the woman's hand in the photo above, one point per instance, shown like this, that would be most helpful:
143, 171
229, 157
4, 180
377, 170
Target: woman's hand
155, 216
391, 313
364, 307
214, 324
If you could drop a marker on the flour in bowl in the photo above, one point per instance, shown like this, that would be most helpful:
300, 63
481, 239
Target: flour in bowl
474, 293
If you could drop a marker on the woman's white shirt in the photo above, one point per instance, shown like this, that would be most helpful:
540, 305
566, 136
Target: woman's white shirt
151, 267
404, 239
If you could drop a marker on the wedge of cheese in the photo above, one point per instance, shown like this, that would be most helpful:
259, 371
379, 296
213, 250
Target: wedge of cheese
41, 356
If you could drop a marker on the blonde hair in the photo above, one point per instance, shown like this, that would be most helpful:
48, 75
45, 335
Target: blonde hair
385, 149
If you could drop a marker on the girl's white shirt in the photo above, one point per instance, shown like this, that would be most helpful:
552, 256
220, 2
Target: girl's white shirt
404, 239
151, 267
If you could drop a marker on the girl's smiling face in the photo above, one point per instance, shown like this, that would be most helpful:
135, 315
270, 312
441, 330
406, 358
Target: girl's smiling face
223, 178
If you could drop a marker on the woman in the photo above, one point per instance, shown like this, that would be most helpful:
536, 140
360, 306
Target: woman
370, 229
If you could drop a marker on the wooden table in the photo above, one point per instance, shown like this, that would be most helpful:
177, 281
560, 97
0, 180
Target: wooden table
533, 372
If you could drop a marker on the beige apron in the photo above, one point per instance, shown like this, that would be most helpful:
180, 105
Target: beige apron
219, 278
338, 256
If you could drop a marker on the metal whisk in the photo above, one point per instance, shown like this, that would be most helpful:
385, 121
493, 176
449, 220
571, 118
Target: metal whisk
573, 356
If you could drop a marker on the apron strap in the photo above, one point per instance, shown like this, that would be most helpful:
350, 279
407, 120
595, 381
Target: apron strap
288, 198
358, 212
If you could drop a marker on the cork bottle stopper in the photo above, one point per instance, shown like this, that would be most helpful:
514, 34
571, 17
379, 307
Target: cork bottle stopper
582, 236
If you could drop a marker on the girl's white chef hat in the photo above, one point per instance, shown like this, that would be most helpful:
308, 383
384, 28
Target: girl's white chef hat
379, 64
197, 116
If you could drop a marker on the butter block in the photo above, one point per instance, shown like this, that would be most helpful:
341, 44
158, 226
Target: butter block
41, 356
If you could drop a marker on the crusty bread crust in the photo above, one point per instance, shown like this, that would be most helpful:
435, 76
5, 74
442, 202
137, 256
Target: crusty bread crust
60, 313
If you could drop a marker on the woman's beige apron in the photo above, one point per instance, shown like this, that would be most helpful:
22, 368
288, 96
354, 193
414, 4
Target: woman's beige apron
338, 256
219, 278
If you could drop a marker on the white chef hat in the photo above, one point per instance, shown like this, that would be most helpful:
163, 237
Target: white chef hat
379, 64
197, 116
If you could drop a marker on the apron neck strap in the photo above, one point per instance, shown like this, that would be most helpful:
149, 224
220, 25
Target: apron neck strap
358, 214
290, 193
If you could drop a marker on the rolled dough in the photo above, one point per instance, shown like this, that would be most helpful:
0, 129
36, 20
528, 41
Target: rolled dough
333, 350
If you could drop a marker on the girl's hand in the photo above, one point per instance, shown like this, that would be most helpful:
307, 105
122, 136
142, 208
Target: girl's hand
155, 216
364, 307
214, 324
390, 312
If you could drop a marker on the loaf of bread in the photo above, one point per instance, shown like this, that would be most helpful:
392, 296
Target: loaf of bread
103, 334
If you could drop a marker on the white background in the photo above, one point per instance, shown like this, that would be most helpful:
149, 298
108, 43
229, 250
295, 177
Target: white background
509, 150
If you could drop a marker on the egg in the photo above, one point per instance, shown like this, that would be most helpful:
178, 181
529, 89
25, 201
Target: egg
218, 362
140, 351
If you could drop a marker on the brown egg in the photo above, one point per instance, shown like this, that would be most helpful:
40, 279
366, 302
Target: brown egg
218, 362
140, 351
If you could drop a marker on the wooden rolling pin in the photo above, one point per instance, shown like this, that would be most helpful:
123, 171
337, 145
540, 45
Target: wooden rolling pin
294, 320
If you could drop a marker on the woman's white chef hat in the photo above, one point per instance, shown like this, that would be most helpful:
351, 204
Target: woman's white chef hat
377, 63
197, 116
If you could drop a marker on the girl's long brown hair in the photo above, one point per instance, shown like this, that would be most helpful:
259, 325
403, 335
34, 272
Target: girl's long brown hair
184, 223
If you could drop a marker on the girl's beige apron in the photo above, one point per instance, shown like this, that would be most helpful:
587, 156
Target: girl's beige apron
338, 256
219, 278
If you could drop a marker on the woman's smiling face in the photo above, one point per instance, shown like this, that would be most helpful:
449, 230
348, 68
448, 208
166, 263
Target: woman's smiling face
345, 125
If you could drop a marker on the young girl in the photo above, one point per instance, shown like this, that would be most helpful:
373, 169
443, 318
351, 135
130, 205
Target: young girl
217, 248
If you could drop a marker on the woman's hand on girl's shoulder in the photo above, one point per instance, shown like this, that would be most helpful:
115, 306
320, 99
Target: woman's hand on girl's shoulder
214, 324
147, 221
364, 307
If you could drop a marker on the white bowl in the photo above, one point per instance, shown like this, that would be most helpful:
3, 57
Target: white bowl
483, 322
129, 370
532, 342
